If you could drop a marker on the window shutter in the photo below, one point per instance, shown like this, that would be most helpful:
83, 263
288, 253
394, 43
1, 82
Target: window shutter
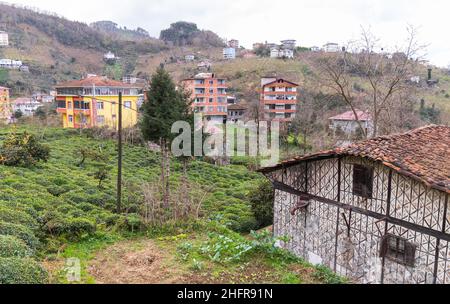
363, 181
358, 176
410, 254
384, 246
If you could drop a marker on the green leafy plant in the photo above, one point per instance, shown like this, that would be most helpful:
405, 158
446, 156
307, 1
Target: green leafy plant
23, 150
21, 271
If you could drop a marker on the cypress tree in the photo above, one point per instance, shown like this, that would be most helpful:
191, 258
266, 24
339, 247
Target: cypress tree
165, 105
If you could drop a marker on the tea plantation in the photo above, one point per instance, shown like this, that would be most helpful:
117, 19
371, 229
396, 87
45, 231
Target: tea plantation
47, 205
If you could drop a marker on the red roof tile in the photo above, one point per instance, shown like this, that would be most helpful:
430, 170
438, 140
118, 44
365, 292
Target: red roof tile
362, 116
422, 154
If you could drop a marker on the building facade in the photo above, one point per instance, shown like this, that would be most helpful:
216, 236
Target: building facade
289, 44
93, 102
4, 38
5, 106
237, 113
374, 212
278, 99
331, 47
27, 106
229, 53
210, 96
281, 53
10, 63
233, 43
346, 125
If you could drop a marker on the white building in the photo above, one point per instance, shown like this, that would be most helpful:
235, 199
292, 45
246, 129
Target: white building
281, 53
110, 56
10, 64
331, 47
189, 58
288, 44
4, 38
347, 125
26, 105
233, 43
315, 49
229, 53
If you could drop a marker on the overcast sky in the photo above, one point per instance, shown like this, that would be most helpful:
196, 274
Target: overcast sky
310, 22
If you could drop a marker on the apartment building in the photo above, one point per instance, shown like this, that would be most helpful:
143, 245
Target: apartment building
93, 102
5, 106
27, 106
4, 38
278, 99
233, 43
209, 94
229, 53
289, 44
281, 53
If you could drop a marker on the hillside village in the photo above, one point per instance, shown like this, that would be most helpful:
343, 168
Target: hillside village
347, 158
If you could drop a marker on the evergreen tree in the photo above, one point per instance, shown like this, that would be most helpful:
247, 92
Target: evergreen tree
165, 105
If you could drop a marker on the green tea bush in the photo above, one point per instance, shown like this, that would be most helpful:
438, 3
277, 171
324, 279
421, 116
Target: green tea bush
79, 226
23, 150
11, 246
9, 215
261, 200
21, 271
20, 232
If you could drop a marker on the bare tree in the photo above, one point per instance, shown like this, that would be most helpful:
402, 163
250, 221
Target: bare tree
381, 76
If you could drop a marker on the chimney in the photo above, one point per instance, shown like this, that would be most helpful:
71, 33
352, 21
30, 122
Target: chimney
429, 73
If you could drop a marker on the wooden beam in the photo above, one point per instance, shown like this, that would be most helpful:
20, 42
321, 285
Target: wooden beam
379, 216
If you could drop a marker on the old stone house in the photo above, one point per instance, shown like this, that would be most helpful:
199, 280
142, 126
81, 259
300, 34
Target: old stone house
376, 211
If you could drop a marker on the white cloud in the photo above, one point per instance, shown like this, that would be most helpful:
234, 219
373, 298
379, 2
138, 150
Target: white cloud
311, 22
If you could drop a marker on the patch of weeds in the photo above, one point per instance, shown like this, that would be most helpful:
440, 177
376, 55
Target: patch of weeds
327, 276
197, 265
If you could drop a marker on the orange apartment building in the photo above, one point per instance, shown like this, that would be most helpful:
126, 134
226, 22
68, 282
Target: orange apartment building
5, 106
210, 96
278, 99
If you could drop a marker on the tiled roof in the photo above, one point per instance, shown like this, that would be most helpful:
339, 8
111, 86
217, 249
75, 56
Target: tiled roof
422, 154
350, 116
237, 107
98, 81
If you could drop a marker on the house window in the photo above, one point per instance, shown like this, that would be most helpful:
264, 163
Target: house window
70, 118
100, 105
100, 119
398, 250
362, 181
128, 104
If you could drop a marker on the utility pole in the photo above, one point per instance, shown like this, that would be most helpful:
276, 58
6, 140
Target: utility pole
119, 163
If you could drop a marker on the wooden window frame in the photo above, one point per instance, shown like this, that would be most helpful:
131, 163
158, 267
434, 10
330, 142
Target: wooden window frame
363, 177
398, 249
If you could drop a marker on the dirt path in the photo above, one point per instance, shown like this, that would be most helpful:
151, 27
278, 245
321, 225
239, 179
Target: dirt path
135, 262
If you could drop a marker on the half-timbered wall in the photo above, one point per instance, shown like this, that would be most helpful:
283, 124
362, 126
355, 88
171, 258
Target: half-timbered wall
344, 231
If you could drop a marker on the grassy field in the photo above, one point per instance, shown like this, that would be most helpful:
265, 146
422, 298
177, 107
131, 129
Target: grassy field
57, 210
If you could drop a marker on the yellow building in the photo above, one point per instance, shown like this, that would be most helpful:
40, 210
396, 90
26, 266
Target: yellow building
93, 102
5, 105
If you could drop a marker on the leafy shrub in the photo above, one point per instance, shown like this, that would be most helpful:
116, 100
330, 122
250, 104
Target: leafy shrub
21, 271
11, 246
20, 232
23, 150
261, 200
78, 226
9, 215
56, 223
